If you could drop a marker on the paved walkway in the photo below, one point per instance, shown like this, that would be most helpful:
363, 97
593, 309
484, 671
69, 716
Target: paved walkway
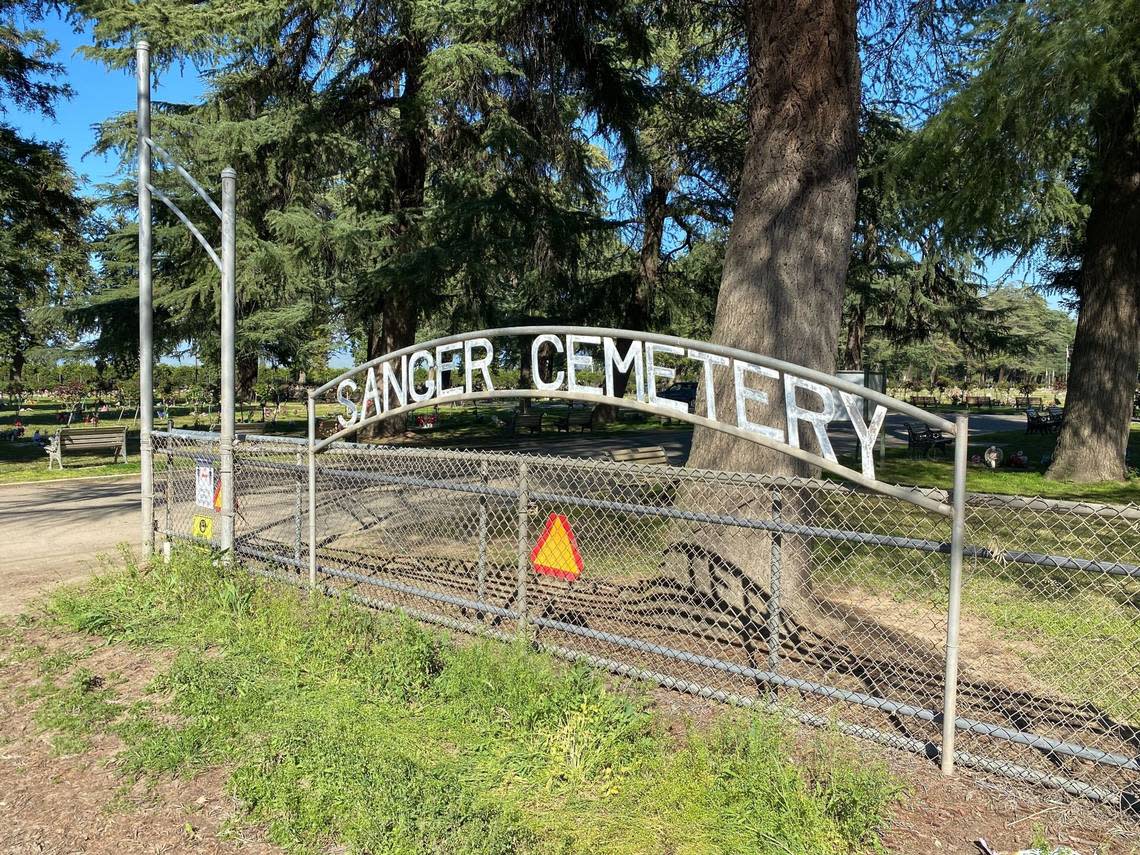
54, 532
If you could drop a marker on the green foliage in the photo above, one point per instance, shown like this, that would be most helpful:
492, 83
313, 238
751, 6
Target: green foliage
370, 732
1004, 157
42, 262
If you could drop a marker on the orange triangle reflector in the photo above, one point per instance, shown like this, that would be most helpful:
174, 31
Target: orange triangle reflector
556, 552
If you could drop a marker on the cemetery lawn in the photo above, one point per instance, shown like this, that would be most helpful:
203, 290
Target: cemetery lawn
339, 727
26, 461
899, 468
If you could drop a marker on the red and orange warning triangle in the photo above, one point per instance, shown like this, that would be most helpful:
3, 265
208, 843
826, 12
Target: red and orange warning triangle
556, 552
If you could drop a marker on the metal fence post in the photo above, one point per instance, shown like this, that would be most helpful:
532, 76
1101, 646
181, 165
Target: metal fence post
229, 195
524, 544
168, 522
312, 492
146, 319
954, 607
297, 511
774, 595
484, 478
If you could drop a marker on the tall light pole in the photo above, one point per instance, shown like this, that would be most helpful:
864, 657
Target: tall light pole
146, 307
229, 198
226, 266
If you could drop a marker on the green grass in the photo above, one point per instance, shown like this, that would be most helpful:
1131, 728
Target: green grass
898, 468
346, 727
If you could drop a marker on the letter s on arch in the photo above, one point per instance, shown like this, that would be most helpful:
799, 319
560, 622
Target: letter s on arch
347, 402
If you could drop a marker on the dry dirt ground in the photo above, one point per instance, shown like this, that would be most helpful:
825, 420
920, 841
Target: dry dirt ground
53, 532
81, 803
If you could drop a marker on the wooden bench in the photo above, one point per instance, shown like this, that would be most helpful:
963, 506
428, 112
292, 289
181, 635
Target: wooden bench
242, 427
923, 401
924, 440
531, 421
1026, 403
106, 439
579, 417
651, 455
979, 401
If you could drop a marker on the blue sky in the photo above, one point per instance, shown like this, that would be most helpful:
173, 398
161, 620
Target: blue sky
100, 93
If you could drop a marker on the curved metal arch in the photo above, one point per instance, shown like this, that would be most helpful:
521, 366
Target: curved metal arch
903, 493
656, 338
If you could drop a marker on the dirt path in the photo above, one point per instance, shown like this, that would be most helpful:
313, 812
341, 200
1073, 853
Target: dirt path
80, 803
54, 532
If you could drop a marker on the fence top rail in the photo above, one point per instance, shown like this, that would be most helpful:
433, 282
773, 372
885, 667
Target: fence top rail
1130, 512
718, 350
927, 498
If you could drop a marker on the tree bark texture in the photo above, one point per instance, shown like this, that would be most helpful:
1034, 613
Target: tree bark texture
781, 292
785, 265
1102, 378
401, 306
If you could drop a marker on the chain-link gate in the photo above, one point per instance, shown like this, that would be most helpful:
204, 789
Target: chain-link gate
824, 599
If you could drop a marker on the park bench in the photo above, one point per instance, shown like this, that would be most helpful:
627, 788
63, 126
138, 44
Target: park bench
979, 401
112, 439
921, 439
1037, 422
254, 428
531, 421
326, 428
579, 417
1026, 403
652, 455
923, 401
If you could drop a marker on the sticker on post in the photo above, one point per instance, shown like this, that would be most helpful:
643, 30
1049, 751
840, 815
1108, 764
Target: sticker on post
218, 496
202, 527
556, 552
204, 485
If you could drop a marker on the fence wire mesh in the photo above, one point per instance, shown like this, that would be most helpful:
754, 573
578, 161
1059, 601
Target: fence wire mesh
828, 601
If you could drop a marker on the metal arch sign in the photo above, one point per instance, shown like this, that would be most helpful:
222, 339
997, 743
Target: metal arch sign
460, 368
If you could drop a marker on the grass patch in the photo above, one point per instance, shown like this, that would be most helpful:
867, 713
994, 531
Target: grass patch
899, 468
71, 712
371, 732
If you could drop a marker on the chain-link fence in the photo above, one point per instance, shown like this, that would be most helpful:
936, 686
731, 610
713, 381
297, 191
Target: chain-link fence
828, 601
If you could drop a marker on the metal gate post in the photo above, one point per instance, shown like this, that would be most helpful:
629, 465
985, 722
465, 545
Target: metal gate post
312, 492
168, 522
774, 595
523, 551
146, 318
954, 607
297, 512
481, 579
229, 195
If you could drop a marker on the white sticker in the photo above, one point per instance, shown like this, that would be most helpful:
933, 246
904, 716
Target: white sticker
204, 485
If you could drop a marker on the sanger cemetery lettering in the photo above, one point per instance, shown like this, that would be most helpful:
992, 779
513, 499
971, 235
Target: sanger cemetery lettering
805, 401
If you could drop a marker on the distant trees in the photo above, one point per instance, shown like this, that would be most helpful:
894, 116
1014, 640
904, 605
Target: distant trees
1038, 150
42, 259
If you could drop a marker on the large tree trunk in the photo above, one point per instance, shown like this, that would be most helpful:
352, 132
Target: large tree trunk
1106, 351
785, 265
246, 377
856, 332
19, 360
401, 303
781, 292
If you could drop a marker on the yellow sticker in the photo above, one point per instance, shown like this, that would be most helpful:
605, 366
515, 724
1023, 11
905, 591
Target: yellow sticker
203, 527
